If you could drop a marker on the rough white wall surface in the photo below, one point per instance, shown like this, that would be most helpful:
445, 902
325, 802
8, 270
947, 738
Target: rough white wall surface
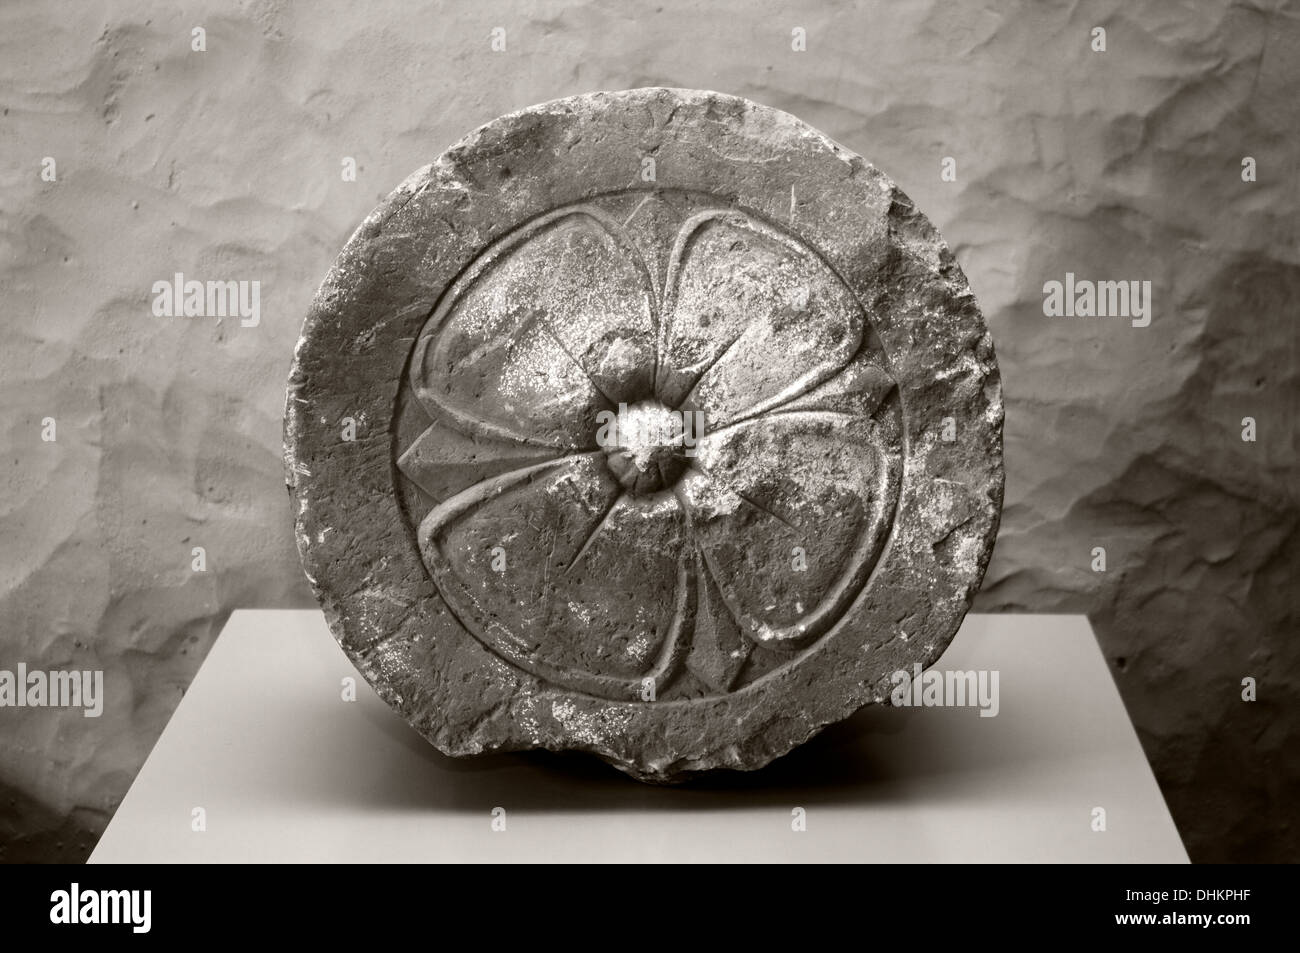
226, 164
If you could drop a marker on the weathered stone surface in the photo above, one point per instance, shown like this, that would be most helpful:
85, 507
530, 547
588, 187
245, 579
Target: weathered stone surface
673, 466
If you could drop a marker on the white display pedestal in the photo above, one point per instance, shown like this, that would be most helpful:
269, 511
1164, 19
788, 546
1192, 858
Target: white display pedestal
286, 770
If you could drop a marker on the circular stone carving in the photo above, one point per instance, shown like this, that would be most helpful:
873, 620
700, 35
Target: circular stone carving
674, 471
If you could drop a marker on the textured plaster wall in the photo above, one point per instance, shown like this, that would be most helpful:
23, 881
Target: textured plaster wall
226, 164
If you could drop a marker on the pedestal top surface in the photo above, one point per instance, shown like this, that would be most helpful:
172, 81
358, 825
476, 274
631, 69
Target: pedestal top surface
286, 770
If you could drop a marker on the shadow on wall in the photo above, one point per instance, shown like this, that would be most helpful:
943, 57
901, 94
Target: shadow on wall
33, 833
1202, 533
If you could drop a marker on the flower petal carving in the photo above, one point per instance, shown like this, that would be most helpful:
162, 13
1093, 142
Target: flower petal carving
523, 558
549, 326
789, 511
756, 318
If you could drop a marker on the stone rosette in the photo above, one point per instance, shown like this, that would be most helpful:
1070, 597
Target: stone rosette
799, 496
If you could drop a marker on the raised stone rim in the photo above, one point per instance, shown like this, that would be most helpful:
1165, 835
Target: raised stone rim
393, 624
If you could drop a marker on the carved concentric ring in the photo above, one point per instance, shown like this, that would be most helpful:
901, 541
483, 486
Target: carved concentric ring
605, 565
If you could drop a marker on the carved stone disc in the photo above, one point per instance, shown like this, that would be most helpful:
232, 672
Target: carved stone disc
652, 424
